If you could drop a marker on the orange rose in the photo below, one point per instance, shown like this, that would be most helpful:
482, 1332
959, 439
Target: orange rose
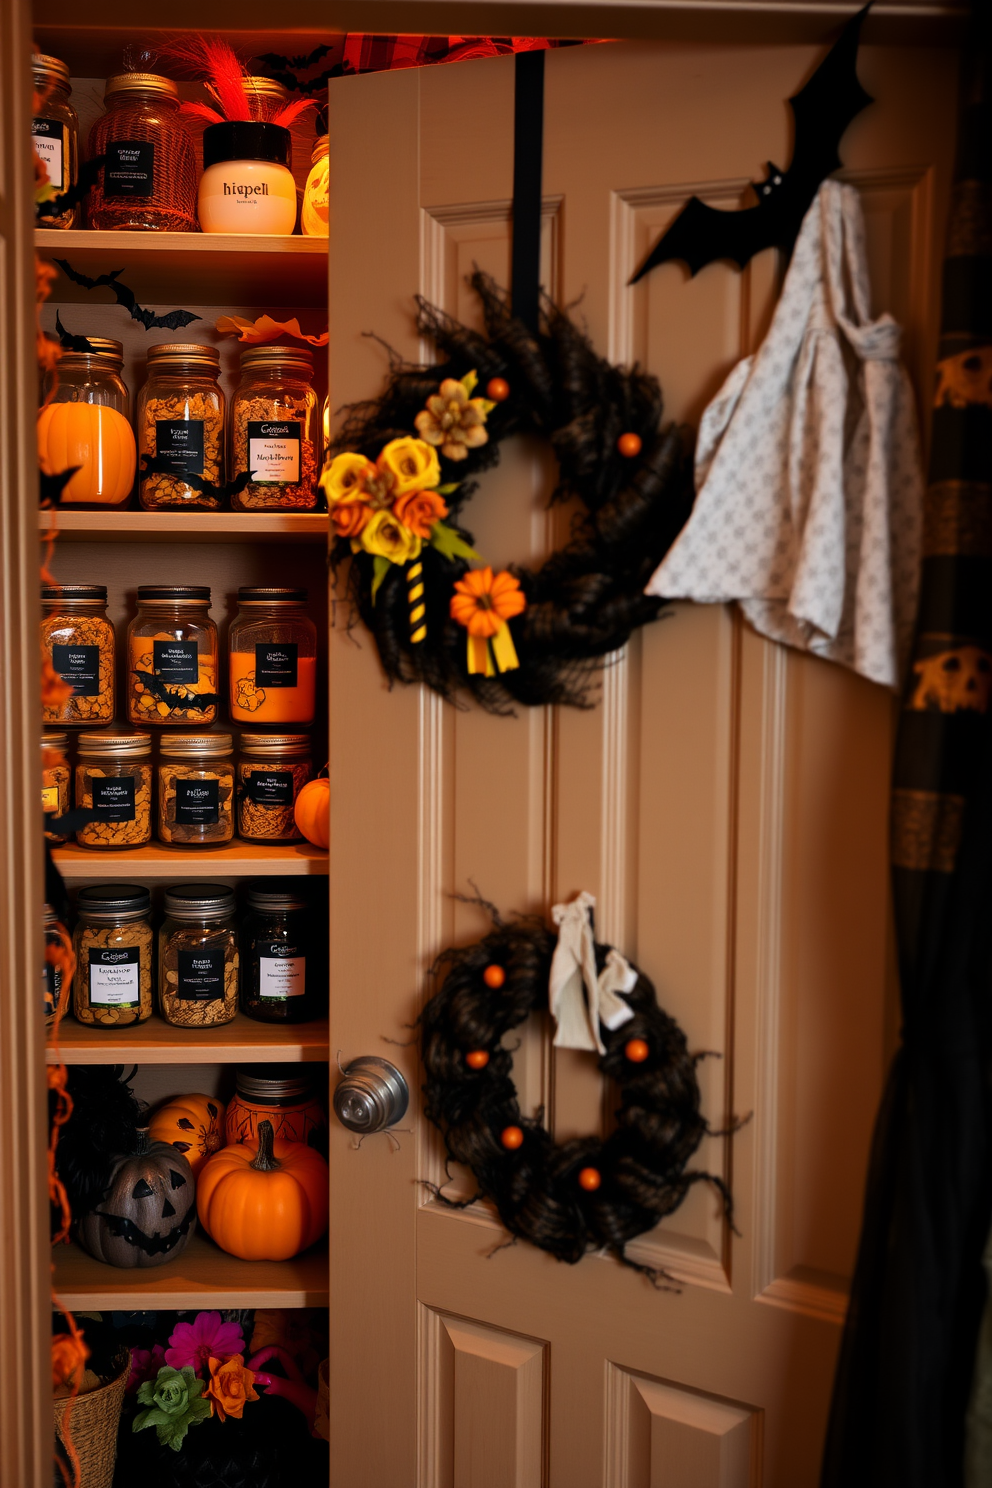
230, 1386
69, 1357
349, 517
419, 510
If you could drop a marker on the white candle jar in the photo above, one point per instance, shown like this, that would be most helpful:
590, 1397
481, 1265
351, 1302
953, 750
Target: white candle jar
247, 185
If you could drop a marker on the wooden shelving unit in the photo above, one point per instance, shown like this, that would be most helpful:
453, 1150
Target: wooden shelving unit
189, 527
157, 1042
157, 861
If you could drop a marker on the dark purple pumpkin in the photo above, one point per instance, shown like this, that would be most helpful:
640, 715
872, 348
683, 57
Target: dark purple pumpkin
147, 1213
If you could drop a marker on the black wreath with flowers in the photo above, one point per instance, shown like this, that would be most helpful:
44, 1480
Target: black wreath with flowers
404, 466
587, 1194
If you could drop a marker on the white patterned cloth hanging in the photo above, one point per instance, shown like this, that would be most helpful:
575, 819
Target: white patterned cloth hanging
808, 474
577, 1012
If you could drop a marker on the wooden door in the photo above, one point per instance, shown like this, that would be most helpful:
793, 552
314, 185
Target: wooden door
726, 801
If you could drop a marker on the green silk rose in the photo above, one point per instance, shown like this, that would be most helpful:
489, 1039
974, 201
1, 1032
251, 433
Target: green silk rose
174, 1402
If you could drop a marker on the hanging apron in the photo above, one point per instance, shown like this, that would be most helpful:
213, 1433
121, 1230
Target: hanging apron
808, 477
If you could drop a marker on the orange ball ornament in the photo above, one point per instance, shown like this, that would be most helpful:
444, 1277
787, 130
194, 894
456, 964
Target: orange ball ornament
629, 445
512, 1137
590, 1179
477, 1058
494, 976
636, 1050
498, 389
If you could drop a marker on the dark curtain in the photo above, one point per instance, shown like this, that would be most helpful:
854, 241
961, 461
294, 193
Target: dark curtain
904, 1374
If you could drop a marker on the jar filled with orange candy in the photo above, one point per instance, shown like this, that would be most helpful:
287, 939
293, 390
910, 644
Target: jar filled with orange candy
272, 658
172, 657
85, 426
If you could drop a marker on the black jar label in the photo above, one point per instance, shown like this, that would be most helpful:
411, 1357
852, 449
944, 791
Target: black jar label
176, 661
180, 441
114, 976
282, 971
270, 787
113, 797
130, 169
274, 451
79, 665
275, 666
49, 142
201, 974
197, 802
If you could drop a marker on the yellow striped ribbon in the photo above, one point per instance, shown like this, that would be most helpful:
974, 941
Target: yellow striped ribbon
415, 596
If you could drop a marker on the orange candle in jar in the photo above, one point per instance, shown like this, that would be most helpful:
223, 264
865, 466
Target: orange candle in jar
255, 701
273, 657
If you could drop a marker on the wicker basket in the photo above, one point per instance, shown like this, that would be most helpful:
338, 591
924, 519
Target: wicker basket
93, 1423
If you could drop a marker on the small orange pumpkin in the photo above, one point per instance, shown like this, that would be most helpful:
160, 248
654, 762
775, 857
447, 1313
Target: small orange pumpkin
193, 1124
265, 1201
312, 812
96, 438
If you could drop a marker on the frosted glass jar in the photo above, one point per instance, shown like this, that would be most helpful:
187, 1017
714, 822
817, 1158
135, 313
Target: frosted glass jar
247, 185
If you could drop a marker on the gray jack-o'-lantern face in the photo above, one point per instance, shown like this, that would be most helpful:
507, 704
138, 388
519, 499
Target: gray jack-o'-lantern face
148, 1212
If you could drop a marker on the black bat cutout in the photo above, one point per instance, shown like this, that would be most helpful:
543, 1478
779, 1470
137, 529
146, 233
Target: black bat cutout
50, 487
273, 59
73, 821
89, 174
126, 1229
164, 465
822, 110
178, 697
67, 340
174, 321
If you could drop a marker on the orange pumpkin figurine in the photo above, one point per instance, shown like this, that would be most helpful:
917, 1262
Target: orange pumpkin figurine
266, 1201
312, 812
193, 1124
98, 442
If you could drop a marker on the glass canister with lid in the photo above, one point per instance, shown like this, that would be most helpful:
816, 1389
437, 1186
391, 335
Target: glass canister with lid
112, 944
196, 789
272, 657
180, 419
198, 956
274, 430
172, 657
148, 183
280, 956
85, 425
55, 778
272, 770
55, 130
78, 640
114, 781
284, 1094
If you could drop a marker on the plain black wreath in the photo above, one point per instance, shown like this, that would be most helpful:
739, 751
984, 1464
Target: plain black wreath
588, 597
536, 1188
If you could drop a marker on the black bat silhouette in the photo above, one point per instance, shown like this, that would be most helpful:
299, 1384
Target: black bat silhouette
822, 111
52, 486
165, 465
178, 697
124, 296
273, 59
68, 340
73, 821
89, 174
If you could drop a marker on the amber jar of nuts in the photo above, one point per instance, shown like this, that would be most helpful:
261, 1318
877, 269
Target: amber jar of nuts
198, 956
113, 948
172, 657
78, 640
272, 770
114, 780
54, 778
148, 183
180, 421
275, 430
196, 789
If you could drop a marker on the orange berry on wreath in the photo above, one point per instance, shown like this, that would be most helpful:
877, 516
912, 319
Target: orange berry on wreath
477, 1058
494, 976
512, 1137
590, 1179
498, 389
636, 1050
629, 445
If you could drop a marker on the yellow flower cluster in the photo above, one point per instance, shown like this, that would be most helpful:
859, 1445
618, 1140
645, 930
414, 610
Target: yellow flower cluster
387, 507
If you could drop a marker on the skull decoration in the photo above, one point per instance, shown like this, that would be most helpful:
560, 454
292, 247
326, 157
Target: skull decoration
953, 680
148, 1211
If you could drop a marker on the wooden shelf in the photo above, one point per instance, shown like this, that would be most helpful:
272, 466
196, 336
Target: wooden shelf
201, 268
156, 1042
203, 1276
189, 526
158, 861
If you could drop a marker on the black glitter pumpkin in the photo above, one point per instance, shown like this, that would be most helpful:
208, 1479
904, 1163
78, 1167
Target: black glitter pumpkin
148, 1211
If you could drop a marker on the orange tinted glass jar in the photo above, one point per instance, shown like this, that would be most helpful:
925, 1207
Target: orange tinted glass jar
172, 657
286, 1098
148, 183
273, 658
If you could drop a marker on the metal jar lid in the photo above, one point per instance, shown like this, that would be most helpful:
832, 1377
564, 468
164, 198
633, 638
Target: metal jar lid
199, 901
133, 745
268, 1083
182, 352
266, 90
268, 746
50, 70
175, 593
54, 739
75, 592
255, 594
140, 82
104, 353
113, 902
195, 746
51, 918
272, 894
293, 359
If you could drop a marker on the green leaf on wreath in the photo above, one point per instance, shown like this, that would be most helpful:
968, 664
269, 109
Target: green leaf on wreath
451, 546
470, 381
380, 568
448, 489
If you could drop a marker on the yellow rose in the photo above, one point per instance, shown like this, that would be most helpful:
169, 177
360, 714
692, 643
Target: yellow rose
412, 463
387, 537
345, 477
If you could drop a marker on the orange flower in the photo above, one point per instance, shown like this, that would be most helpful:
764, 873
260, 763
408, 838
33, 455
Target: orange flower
484, 601
230, 1386
69, 1357
419, 510
349, 517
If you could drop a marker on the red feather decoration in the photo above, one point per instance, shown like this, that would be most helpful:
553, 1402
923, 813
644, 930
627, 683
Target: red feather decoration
201, 111
215, 63
291, 111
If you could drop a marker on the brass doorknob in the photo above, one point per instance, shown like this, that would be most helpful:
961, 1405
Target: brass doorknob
371, 1095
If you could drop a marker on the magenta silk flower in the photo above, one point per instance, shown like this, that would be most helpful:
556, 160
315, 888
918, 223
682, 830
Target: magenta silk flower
205, 1338
145, 1365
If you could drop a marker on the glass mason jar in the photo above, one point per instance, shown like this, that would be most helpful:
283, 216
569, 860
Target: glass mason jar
54, 993
196, 789
198, 956
280, 982
148, 183
316, 193
283, 1094
172, 657
274, 430
78, 640
114, 780
55, 130
272, 658
180, 420
54, 779
87, 424
272, 770
113, 944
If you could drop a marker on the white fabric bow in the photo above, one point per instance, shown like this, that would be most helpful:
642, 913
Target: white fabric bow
573, 968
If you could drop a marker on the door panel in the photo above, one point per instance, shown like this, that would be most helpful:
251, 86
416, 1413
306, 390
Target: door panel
725, 800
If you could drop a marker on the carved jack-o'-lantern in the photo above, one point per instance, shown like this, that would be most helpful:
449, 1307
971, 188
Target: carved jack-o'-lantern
148, 1212
953, 680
